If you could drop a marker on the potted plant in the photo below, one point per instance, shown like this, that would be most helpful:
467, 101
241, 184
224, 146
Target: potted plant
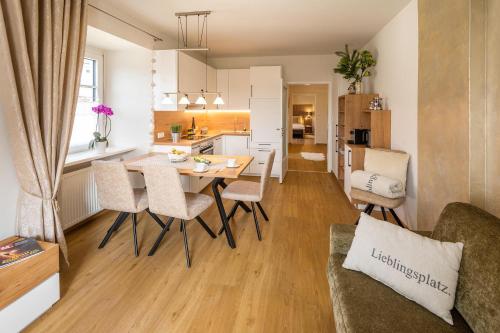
354, 67
100, 141
175, 130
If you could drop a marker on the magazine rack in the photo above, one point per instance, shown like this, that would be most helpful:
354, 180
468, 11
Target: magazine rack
23, 276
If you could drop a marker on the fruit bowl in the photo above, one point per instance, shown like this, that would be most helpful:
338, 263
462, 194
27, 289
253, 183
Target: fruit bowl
177, 156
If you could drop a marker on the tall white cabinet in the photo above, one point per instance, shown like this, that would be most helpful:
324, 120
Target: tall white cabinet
267, 116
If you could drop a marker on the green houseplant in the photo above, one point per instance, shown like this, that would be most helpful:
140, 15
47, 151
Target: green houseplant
175, 130
354, 66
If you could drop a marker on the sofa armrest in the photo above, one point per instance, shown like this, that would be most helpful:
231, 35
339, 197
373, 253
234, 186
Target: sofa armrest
341, 236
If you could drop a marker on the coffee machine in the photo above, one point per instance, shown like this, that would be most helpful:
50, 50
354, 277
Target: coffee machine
360, 136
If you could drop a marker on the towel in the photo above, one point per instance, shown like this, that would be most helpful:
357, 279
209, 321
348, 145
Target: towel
377, 184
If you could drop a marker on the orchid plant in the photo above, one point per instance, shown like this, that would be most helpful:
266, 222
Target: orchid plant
103, 116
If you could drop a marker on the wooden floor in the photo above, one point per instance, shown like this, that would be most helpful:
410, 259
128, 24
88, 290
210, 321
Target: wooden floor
297, 163
277, 285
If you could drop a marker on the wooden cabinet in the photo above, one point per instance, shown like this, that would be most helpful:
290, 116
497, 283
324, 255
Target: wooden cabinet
265, 82
234, 86
380, 126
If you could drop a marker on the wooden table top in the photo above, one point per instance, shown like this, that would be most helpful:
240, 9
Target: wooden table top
218, 167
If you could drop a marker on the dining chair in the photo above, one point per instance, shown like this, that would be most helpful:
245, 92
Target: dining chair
167, 197
253, 192
388, 163
115, 192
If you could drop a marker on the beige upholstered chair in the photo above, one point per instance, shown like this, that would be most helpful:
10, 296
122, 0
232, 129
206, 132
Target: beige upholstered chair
388, 163
253, 192
166, 197
115, 192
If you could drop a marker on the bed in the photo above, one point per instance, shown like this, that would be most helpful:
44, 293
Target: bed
298, 127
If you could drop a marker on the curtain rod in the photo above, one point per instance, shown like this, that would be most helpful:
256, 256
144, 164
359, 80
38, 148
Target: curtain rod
127, 23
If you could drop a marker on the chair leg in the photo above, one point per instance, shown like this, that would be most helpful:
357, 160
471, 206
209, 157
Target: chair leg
262, 212
134, 230
383, 213
370, 209
156, 218
256, 221
364, 211
205, 226
186, 246
180, 227
396, 217
160, 236
114, 227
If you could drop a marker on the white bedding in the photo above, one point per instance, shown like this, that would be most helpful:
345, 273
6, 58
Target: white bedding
298, 126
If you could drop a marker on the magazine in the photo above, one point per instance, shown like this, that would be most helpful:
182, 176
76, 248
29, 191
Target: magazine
18, 250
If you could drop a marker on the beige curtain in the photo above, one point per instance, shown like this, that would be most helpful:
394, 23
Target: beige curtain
42, 45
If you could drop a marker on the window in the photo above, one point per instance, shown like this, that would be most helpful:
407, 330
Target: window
90, 94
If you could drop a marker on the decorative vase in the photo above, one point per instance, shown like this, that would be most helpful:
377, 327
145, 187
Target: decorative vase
352, 89
359, 87
101, 146
176, 137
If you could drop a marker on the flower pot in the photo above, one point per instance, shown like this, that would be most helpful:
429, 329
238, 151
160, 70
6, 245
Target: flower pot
176, 137
359, 87
101, 146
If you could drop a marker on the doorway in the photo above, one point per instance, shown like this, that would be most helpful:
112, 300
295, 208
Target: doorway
308, 127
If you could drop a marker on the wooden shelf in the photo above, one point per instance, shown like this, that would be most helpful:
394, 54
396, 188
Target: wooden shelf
19, 278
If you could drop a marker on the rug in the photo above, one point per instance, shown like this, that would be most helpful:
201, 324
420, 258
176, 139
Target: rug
313, 156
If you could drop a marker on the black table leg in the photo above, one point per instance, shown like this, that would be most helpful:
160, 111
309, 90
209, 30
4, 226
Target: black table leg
218, 200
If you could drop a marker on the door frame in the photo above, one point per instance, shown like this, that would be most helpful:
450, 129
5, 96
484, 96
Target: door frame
329, 143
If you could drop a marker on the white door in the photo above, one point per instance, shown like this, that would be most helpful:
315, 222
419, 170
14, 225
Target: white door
266, 120
265, 82
239, 89
236, 145
223, 86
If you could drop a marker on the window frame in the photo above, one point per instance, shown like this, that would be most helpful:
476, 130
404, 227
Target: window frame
98, 56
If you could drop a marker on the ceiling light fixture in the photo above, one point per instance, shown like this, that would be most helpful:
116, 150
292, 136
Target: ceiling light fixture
218, 100
167, 100
184, 100
201, 100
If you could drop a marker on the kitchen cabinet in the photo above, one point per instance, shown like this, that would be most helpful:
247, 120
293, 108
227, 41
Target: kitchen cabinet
164, 78
266, 120
219, 145
234, 86
236, 145
265, 82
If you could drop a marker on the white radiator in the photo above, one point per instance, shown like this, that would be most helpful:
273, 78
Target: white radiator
77, 197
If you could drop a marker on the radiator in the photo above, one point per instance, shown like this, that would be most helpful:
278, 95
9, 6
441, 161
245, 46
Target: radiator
77, 197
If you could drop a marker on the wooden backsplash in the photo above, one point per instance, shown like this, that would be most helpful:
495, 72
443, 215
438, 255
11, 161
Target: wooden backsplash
215, 121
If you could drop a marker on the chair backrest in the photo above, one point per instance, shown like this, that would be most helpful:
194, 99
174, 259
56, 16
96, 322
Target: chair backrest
165, 193
266, 172
114, 189
388, 163
478, 290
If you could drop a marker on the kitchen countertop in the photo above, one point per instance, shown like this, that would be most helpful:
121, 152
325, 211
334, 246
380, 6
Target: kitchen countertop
209, 136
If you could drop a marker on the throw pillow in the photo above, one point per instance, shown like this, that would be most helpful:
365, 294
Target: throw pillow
423, 270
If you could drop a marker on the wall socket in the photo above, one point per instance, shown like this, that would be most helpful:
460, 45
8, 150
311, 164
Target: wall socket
160, 135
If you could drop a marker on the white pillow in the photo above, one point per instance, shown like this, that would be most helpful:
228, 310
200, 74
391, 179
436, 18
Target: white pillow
419, 268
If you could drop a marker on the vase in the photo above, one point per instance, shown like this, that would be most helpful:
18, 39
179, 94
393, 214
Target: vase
176, 137
359, 87
101, 146
351, 89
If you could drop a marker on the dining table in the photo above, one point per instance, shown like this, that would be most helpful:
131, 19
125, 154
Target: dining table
217, 169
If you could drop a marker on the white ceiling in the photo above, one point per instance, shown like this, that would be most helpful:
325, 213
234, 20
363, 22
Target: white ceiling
268, 27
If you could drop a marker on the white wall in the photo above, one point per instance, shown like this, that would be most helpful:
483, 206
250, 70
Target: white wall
127, 89
296, 69
396, 80
9, 186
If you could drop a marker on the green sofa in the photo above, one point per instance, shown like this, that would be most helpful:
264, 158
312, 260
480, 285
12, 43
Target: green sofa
362, 304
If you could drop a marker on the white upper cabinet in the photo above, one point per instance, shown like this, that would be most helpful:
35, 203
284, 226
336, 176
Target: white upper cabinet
234, 86
239, 89
191, 74
223, 86
164, 78
265, 82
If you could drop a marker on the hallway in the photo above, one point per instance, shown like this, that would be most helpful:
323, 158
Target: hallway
297, 163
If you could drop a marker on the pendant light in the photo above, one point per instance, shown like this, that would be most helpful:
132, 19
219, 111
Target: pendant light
167, 100
218, 100
201, 100
184, 100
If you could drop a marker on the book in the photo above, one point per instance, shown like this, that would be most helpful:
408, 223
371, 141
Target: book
18, 250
